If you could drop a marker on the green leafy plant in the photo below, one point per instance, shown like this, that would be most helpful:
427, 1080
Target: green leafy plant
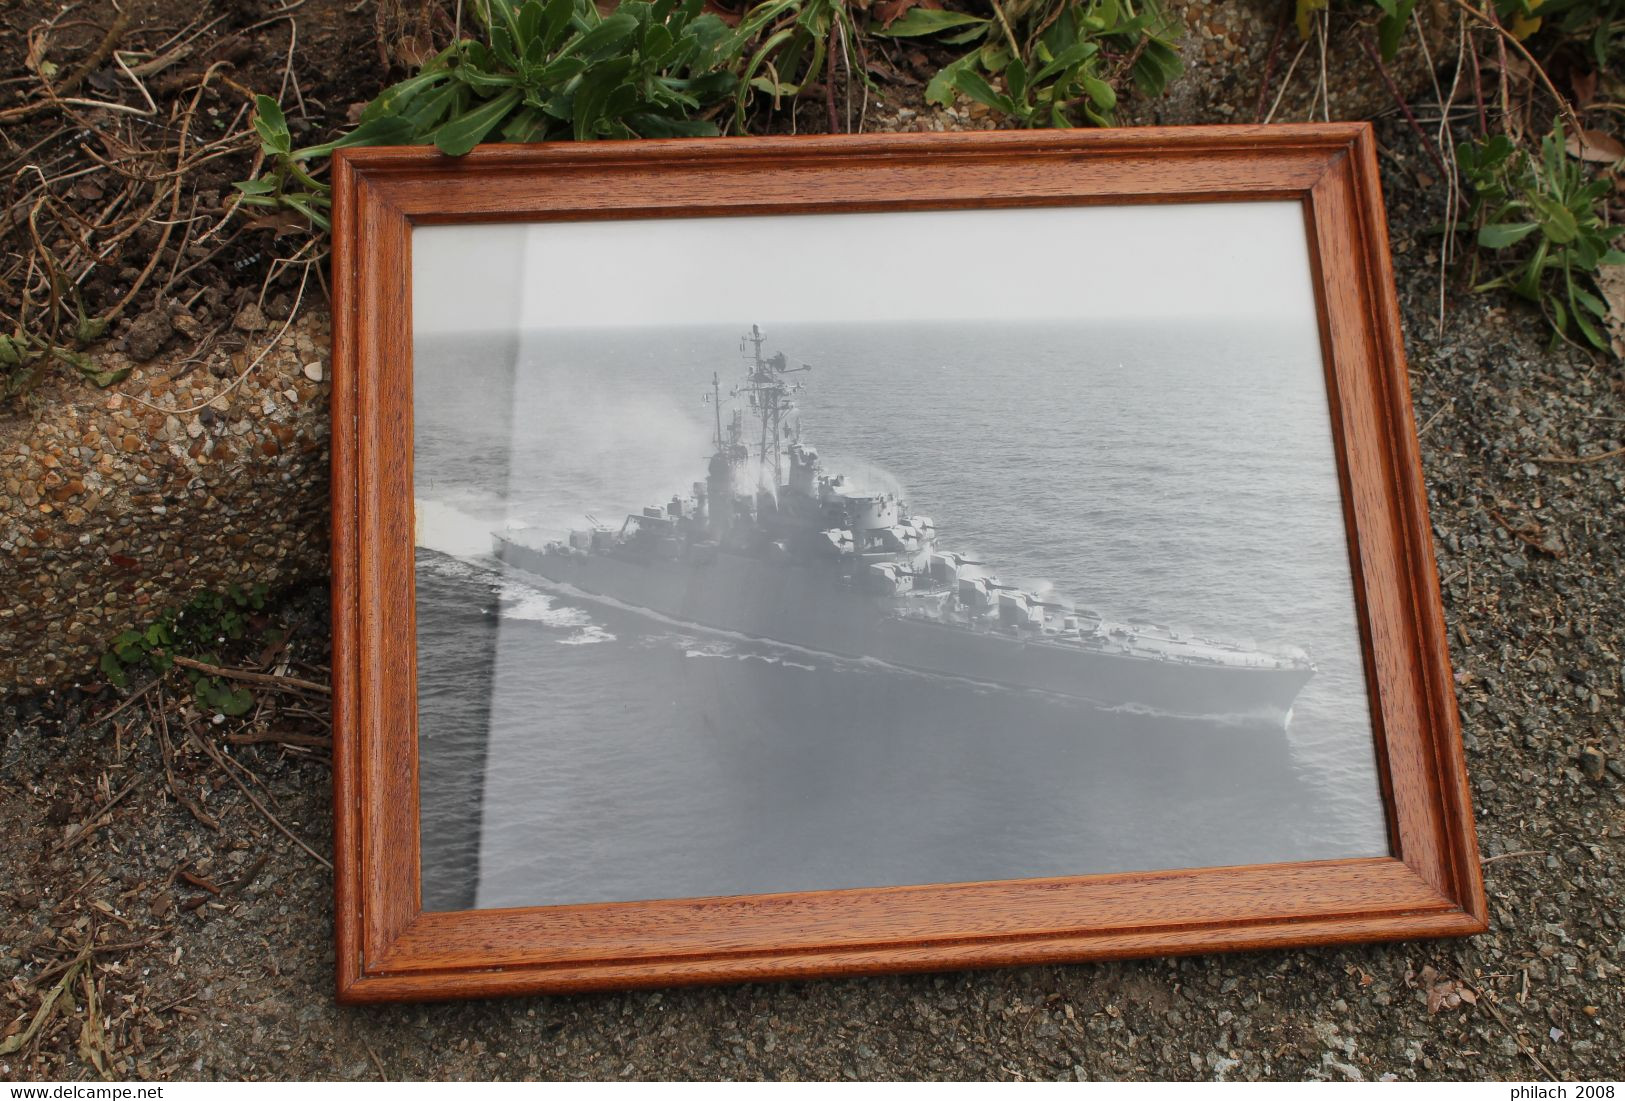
793, 40
546, 70
1597, 26
24, 358
198, 629
1059, 60
25, 353
1396, 17
1544, 219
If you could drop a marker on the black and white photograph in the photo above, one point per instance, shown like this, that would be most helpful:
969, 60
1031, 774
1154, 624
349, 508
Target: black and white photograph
793, 553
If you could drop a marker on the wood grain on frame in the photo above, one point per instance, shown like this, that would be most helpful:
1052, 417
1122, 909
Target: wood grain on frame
390, 949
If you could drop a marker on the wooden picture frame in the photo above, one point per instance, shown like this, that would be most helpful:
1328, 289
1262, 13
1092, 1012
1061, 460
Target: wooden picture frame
390, 949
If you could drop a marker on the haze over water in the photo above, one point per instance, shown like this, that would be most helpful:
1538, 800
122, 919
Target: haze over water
1181, 475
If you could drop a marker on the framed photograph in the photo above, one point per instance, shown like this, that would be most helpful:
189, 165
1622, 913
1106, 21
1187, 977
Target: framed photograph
794, 557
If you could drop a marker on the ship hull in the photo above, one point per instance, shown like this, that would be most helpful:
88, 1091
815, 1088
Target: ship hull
803, 606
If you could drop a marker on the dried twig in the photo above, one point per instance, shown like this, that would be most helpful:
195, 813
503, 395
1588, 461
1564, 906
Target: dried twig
1286, 82
98, 821
1507, 38
1405, 108
1580, 460
309, 741
214, 752
130, 701
103, 51
160, 723
1269, 61
1489, 1004
267, 680
18, 1042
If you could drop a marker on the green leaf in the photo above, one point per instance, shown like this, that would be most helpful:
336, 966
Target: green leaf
1396, 17
305, 205
966, 36
1590, 301
271, 125
605, 37
1015, 78
461, 134
658, 126
555, 22
1587, 330
1508, 233
1100, 93
429, 110
1073, 55
592, 98
973, 85
261, 186
90, 329
529, 124
918, 21
104, 379
527, 24
113, 669
657, 41
224, 699
1557, 220
390, 130
395, 99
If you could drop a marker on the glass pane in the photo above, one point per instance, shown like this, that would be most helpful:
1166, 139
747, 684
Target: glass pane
798, 553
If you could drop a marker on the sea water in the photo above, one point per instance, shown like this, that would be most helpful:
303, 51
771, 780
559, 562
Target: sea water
1179, 474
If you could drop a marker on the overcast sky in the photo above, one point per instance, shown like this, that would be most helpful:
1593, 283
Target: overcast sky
1234, 260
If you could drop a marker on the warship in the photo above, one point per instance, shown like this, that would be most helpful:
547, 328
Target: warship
772, 547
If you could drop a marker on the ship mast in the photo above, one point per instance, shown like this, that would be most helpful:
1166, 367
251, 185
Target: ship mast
716, 404
770, 398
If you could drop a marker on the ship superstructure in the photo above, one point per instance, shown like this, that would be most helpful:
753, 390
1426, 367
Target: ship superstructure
773, 547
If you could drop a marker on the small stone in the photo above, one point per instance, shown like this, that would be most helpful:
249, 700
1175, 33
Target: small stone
66, 490
194, 429
1593, 763
130, 444
251, 318
147, 335
313, 371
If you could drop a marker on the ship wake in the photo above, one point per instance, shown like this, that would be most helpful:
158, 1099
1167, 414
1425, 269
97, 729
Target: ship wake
754, 645
462, 545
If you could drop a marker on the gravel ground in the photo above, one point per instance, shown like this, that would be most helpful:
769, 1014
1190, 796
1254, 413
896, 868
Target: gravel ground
188, 983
